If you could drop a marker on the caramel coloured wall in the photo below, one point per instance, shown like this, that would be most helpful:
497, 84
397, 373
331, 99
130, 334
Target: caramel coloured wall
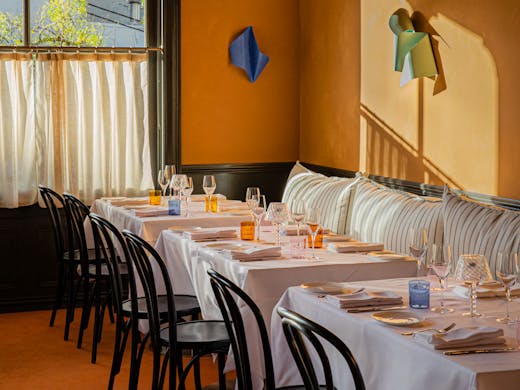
224, 117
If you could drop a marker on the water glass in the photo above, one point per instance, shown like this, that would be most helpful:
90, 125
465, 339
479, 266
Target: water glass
419, 294
154, 197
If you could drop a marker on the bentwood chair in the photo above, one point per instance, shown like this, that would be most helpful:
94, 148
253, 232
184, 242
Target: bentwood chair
227, 293
68, 255
201, 337
296, 329
111, 246
94, 279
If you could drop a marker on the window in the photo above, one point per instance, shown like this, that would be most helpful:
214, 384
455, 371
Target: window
80, 97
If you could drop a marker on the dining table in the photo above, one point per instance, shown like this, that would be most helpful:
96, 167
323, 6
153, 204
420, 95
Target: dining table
390, 360
264, 281
127, 216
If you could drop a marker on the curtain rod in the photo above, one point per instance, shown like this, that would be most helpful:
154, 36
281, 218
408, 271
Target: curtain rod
84, 49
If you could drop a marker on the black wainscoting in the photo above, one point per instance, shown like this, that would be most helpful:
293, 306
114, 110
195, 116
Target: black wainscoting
233, 179
27, 277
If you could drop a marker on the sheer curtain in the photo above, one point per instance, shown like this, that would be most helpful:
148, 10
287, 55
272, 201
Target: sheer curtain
75, 122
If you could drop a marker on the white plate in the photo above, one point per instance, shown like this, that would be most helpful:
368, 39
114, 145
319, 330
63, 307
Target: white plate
329, 288
398, 317
225, 246
386, 255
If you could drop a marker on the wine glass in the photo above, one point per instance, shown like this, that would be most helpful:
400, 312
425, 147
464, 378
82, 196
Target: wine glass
208, 185
277, 213
441, 266
177, 183
507, 274
187, 190
298, 214
258, 214
312, 219
418, 246
472, 270
169, 171
252, 197
163, 181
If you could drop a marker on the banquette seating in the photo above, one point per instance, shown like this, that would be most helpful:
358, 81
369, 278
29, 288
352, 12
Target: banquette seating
372, 212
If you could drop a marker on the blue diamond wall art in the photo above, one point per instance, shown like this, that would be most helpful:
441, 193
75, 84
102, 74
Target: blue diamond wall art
245, 54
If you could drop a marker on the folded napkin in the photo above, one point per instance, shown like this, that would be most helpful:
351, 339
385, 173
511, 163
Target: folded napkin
202, 197
486, 291
150, 211
223, 207
331, 237
292, 230
255, 253
123, 201
204, 234
364, 298
472, 336
354, 246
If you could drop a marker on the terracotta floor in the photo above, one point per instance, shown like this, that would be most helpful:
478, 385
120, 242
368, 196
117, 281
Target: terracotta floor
35, 356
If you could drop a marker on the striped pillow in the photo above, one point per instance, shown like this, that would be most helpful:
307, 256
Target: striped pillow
300, 187
473, 227
380, 214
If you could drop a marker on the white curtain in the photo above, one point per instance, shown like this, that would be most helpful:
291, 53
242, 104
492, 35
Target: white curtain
76, 123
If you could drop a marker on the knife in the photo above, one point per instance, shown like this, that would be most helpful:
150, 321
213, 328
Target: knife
374, 308
483, 350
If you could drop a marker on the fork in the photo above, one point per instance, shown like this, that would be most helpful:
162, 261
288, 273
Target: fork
442, 330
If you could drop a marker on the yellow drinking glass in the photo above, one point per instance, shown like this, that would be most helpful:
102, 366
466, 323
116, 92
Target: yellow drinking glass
154, 197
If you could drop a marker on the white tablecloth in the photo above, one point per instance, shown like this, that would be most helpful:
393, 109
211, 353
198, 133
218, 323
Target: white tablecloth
391, 361
149, 228
264, 281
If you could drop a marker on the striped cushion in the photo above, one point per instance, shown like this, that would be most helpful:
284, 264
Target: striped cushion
298, 168
473, 227
380, 214
330, 194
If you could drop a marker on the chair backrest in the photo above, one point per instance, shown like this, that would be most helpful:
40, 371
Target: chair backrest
152, 273
77, 212
226, 293
294, 327
106, 237
61, 228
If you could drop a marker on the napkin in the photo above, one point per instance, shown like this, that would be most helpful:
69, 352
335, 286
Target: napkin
463, 337
232, 206
202, 197
150, 211
486, 292
204, 234
354, 246
292, 230
123, 201
364, 298
254, 253
331, 237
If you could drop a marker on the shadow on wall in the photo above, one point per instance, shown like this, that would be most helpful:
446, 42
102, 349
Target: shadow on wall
391, 155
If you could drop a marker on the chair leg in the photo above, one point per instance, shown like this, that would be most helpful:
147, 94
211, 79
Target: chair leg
221, 359
88, 300
119, 350
58, 299
196, 374
98, 322
71, 301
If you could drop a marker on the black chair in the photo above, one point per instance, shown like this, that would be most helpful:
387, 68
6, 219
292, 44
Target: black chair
294, 327
226, 293
93, 273
129, 311
68, 255
201, 337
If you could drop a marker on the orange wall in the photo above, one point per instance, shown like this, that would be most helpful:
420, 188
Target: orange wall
329, 84
224, 117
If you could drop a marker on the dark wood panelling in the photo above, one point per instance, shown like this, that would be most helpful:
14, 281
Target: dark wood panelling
233, 179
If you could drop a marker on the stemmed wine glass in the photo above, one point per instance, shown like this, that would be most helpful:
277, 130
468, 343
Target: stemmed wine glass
169, 172
298, 214
252, 197
507, 273
163, 181
258, 214
177, 183
187, 190
472, 270
418, 246
441, 266
312, 219
209, 185
277, 213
